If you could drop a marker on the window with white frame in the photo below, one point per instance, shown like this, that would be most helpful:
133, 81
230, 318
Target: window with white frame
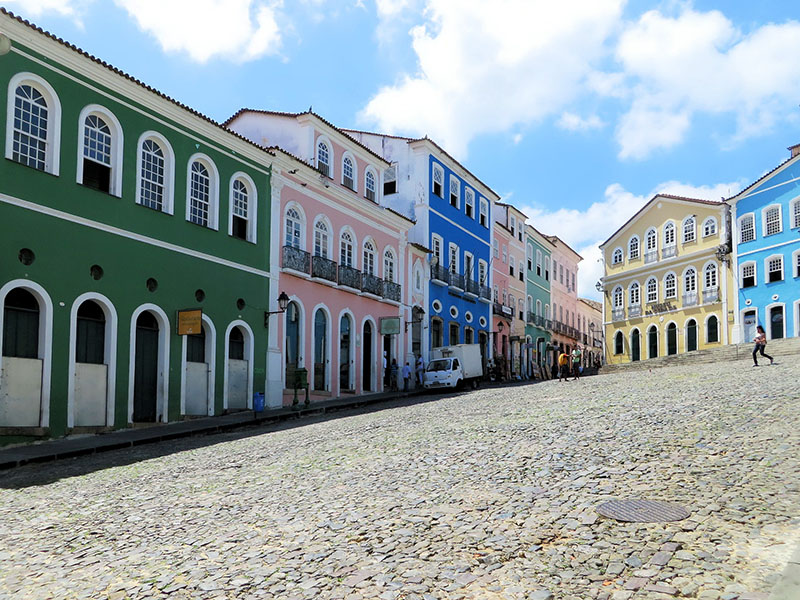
346, 249
348, 173
748, 275
30, 128
97, 153
796, 261
321, 238
747, 229
369, 186
438, 181
616, 257
538, 308
496, 248
390, 181
240, 209
670, 286
772, 220
710, 276
690, 280
513, 225
324, 158
561, 274
709, 227
469, 202
633, 248
538, 262
794, 210
388, 265
505, 253
574, 287
368, 260
294, 229
200, 194
152, 175
529, 257
547, 268
505, 297
482, 270
511, 265
774, 268
455, 194
468, 265
689, 234
547, 311
634, 296
436, 243
650, 240
652, 290
484, 214
669, 234
452, 258
618, 297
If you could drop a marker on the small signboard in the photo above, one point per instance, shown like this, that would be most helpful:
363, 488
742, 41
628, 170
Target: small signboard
390, 325
190, 322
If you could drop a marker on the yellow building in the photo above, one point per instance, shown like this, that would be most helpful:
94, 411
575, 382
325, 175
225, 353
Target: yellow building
667, 283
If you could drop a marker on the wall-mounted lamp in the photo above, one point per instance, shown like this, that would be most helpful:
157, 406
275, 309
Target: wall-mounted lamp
283, 302
420, 314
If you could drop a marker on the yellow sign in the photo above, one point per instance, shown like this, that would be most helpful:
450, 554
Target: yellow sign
190, 322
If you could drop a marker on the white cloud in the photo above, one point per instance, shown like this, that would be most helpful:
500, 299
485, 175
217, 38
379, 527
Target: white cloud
36, 8
487, 70
572, 122
238, 30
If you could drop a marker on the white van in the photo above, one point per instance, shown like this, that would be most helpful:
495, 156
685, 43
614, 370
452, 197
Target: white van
454, 367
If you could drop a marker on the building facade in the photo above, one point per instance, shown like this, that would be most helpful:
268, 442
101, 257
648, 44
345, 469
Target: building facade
343, 255
666, 282
766, 269
452, 211
538, 253
564, 335
120, 207
590, 319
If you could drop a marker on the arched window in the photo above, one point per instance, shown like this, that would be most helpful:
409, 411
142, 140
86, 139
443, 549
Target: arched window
633, 248
321, 239
100, 163
652, 290
348, 173
241, 217
346, 246
200, 194
152, 175
670, 286
547, 311
21, 313
90, 334
368, 262
323, 158
438, 181
650, 240
616, 258
369, 186
619, 343
709, 227
633, 294
33, 123
294, 228
388, 265
538, 308
293, 339
690, 280
618, 297
688, 230
712, 329
669, 234
710, 278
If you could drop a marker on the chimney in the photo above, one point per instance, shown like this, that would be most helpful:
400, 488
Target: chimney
795, 150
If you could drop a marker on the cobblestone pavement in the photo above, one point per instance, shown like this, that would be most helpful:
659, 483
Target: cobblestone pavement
485, 495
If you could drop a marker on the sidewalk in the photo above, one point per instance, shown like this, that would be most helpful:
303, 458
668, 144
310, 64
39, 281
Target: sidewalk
69, 447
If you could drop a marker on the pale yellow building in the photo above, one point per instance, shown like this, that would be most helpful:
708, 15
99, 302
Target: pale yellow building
667, 284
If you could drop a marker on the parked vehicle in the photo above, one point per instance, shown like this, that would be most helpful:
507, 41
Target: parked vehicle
454, 367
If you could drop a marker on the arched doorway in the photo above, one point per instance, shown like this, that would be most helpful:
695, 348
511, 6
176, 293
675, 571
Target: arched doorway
619, 343
652, 342
238, 370
320, 350
776, 322
21, 382
635, 346
672, 339
145, 374
483, 340
712, 329
345, 361
436, 333
416, 330
198, 368
749, 322
292, 346
91, 369
691, 335
366, 358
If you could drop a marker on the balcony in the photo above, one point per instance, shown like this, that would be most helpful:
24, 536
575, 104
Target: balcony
371, 285
650, 256
440, 275
349, 277
690, 299
323, 268
669, 251
531, 317
710, 295
497, 309
485, 294
635, 311
473, 289
540, 321
296, 260
618, 314
391, 291
457, 282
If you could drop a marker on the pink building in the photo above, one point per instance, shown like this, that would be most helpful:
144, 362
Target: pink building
565, 334
343, 257
503, 307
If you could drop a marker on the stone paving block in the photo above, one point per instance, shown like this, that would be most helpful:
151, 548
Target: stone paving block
661, 558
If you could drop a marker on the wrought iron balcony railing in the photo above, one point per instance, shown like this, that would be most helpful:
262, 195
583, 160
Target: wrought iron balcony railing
391, 291
690, 299
324, 268
531, 317
710, 295
618, 314
497, 308
485, 293
635, 311
472, 287
350, 277
669, 251
296, 259
650, 256
440, 273
371, 284
457, 281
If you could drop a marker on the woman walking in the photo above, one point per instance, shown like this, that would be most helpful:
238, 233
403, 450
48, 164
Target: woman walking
761, 343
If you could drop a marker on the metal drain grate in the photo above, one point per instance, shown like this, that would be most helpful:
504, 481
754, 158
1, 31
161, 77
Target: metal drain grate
642, 511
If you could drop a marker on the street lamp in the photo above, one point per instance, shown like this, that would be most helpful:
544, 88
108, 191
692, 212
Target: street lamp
283, 302
420, 313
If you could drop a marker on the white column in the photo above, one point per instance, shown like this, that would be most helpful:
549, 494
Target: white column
275, 371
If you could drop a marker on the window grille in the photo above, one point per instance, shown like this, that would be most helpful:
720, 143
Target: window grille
29, 145
633, 248
152, 176
200, 194
748, 275
369, 186
670, 287
347, 173
747, 229
775, 269
688, 230
773, 220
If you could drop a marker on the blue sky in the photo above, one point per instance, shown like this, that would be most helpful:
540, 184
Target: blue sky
576, 111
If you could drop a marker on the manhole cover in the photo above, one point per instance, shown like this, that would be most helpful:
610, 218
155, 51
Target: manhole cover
642, 511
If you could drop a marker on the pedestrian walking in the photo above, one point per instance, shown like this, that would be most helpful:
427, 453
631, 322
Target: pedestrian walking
420, 371
576, 362
406, 376
393, 375
761, 343
563, 366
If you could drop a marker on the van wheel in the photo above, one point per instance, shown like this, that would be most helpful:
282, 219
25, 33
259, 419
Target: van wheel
459, 385
475, 384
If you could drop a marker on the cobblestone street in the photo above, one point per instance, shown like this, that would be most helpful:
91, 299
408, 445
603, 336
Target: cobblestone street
485, 495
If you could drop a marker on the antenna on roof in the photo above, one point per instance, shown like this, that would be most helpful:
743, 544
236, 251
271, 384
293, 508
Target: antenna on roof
310, 108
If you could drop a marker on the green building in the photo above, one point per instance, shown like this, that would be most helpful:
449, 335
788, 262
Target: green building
120, 207
538, 253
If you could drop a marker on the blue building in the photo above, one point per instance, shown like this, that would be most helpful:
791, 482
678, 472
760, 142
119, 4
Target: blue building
453, 213
766, 238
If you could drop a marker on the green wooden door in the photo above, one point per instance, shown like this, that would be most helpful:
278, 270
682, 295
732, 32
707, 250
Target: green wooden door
145, 378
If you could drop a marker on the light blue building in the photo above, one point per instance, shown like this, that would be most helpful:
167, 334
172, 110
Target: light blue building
453, 213
766, 239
